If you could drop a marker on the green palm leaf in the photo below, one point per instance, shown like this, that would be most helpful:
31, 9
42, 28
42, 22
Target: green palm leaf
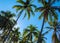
32, 12
28, 13
33, 5
46, 32
18, 7
39, 9
21, 1
25, 32
42, 14
54, 14
25, 15
20, 13
36, 34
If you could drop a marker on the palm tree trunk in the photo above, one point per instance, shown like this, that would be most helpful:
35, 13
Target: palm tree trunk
39, 37
55, 34
31, 37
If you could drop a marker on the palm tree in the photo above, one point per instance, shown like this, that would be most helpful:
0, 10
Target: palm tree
54, 26
6, 17
15, 35
29, 32
8, 21
48, 13
25, 6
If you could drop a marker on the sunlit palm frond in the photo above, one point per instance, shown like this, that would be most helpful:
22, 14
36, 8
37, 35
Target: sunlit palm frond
26, 6
21, 1
7, 14
46, 32
18, 7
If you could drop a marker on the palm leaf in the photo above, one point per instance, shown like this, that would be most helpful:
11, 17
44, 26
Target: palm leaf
7, 14
54, 14
56, 7
28, 13
20, 13
35, 34
52, 2
50, 16
18, 7
39, 9
50, 23
49, 1
42, 14
25, 32
32, 12
21, 1
49, 27
33, 5
25, 15
43, 41
46, 32
41, 1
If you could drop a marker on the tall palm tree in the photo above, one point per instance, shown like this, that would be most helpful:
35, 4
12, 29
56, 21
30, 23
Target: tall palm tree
25, 6
29, 32
54, 26
8, 21
48, 13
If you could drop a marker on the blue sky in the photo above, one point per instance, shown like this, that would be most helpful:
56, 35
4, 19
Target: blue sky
6, 5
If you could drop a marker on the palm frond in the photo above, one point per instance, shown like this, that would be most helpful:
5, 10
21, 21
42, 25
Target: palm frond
44, 38
36, 34
41, 1
28, 13
7, 14
25, 32
56, 7
49, 1
49, 27
21, 1
46, 32
50, 23
39, 9
54, 14
33, 5
43, 41
20, 13
50, 16
42, 14
25, 15
32, 12
52, 2
18, 7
